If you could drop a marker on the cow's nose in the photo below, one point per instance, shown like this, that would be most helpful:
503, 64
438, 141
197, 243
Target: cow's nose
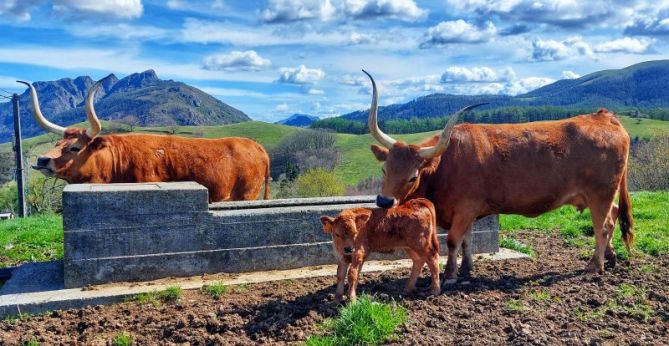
384, 202
43, 161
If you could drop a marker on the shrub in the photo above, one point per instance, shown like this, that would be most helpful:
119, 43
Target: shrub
303, 151
319, 183
649, 166
45, 195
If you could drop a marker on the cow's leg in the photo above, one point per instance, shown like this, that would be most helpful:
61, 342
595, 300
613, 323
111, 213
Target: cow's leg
467, 261
354, 270
459, 228
418, 263
610, 255
342, 268
602, 223
433, 265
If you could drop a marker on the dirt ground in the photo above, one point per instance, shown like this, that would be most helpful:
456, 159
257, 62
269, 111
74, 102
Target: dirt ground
543, 301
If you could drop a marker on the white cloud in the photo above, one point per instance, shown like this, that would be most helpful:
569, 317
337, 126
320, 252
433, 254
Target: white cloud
458, 74
624, 45
524, 85
352, 80
114, 8
121, 31
236, 61
314, 91
400, 9
18, 9
551, 50
280, 11
457, 31
177, 4
300, 75
358, 38
570, 75
281, 108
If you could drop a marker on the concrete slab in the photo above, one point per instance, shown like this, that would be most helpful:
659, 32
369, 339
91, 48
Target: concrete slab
38, 287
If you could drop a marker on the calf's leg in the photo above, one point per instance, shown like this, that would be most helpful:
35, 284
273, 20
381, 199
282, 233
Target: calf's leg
418, 263
358, 259
342, 268
433, 265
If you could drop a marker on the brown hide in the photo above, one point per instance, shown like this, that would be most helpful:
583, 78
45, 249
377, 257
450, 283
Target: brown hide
411, 226
231, 168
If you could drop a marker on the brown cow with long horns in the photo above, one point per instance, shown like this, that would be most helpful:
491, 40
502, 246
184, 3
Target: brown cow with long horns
473, 170
231, 168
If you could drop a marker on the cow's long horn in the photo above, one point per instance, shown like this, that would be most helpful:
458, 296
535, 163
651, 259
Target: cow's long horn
374, 129
440, 147
96, 126
37, 113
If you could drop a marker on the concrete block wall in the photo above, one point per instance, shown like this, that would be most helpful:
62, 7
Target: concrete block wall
133, 232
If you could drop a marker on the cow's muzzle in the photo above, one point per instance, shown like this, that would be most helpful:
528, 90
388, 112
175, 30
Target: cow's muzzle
43, 165
385, 202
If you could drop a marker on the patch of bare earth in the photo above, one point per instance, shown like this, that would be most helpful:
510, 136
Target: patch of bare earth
542, 301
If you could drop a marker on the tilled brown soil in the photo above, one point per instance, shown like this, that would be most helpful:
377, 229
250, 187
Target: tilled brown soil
542, 301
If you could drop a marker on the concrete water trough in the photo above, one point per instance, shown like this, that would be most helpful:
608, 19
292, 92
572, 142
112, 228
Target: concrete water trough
139, 232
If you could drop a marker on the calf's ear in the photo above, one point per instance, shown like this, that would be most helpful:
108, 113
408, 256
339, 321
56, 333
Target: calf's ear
361, 218
381, 153
327, 223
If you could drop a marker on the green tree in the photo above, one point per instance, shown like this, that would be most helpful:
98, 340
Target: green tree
319, 183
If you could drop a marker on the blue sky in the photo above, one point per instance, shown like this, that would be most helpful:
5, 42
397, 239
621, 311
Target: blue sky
274, 58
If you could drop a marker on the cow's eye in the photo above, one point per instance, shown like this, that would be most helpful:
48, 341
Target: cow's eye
74, 149
413, 179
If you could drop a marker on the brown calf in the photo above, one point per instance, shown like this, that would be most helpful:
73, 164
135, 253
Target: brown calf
360, 231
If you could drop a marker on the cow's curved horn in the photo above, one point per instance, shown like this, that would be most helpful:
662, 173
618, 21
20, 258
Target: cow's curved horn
37, 113
440, 147
96, 126
374, 129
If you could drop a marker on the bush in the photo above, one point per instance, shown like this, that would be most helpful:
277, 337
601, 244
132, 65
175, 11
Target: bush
369, 186
303, 151
8, 197
649, 164
45, 195
319, 183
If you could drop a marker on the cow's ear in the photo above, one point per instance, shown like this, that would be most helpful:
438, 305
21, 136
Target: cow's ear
327, 223
361, 218
381, 153
430, 165
97, 143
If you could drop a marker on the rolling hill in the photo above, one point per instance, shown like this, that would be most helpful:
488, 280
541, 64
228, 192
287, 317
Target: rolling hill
298, 120
151, 100
643, 85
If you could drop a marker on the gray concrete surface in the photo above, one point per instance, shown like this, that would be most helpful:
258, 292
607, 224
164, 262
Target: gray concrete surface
135, 232
31, 291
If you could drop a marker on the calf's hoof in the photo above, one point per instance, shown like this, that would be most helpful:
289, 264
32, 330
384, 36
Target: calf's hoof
436, 291
452, 281
594, 268
408, 289
338, 299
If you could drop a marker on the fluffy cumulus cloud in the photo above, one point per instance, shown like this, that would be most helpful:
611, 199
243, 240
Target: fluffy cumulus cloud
486, 80
649, 26
284, 11
281, 108
570, 75
624, 45
281, 11
21, 9
306, 77
457, 31
552, 50
112, 8
459, 74
400, 9
356, 38
236, 61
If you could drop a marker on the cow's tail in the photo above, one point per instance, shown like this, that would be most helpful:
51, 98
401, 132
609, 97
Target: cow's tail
625, 213
266, 196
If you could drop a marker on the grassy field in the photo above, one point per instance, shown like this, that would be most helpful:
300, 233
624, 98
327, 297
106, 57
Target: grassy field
40, 238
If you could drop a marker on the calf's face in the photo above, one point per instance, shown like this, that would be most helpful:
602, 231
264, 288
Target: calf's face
343, 229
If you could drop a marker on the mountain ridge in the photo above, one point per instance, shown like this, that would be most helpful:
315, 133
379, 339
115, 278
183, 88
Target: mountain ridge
153, 101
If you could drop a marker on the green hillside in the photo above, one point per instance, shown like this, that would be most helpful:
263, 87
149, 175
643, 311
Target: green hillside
357, 162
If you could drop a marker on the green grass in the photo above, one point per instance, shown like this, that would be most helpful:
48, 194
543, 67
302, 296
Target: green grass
31, 342
629, 300
646, 128
122, 339
32, 239
651, 224
513, 244
515, 305
365, 322
215, 290
169, 295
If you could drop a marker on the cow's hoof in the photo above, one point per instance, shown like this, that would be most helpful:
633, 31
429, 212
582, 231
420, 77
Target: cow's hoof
436, 291
449, 281
611, 261
593, 269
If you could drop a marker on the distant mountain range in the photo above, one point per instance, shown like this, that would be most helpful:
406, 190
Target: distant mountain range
298, 120
644, 85
154, 102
